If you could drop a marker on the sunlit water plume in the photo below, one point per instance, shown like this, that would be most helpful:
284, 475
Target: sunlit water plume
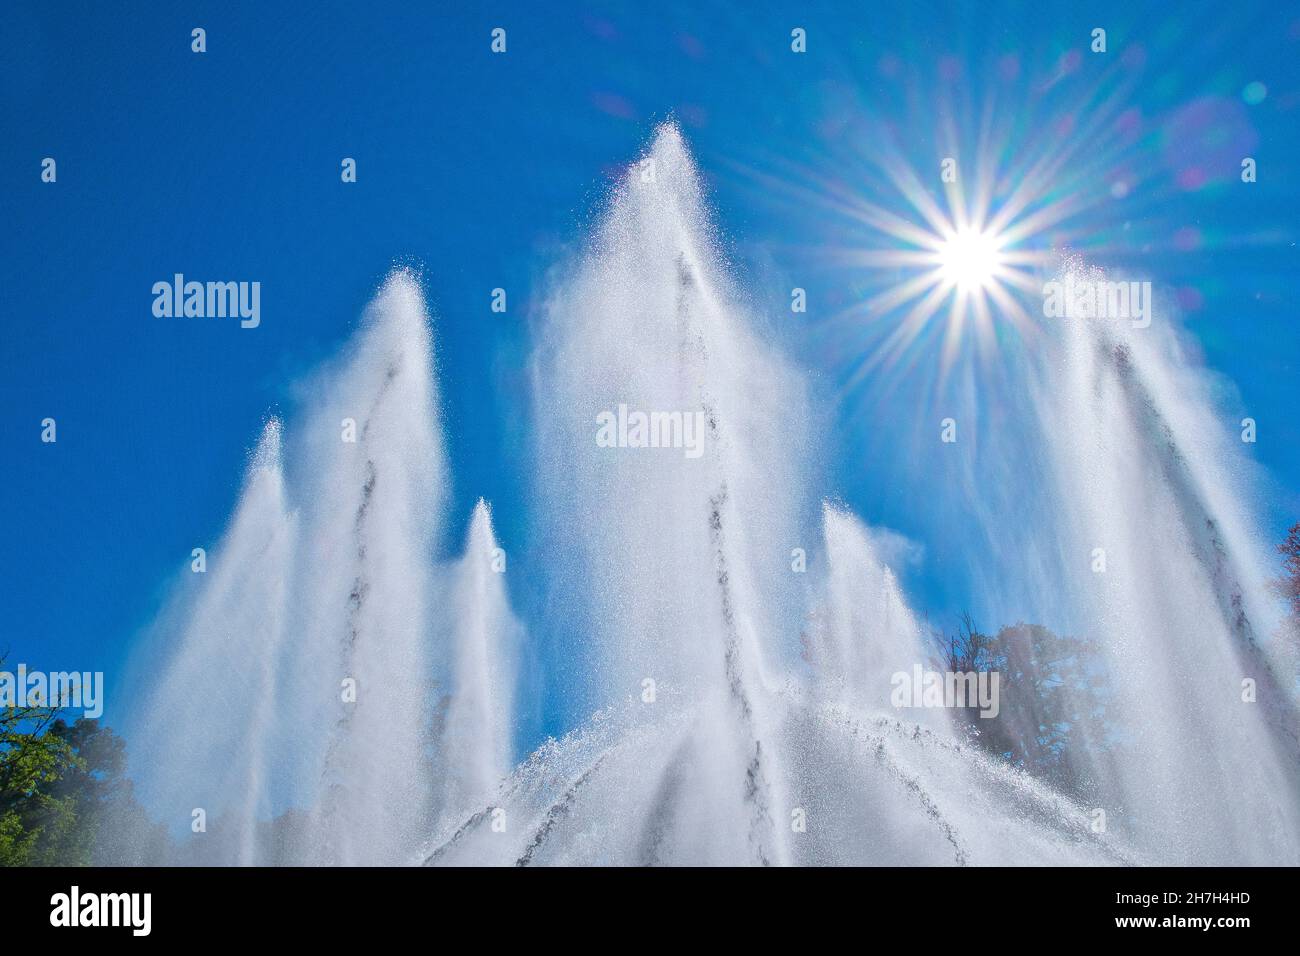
336, 630
726, 709
1158, 558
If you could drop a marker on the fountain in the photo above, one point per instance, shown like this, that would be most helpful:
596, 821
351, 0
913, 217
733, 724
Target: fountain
331, 669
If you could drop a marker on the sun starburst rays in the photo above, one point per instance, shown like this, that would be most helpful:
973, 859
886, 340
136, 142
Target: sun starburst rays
956, 258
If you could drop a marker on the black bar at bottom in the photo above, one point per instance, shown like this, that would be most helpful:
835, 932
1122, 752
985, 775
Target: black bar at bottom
211, 906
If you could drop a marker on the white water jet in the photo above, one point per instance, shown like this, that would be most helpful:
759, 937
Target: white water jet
376, 486
477, 751
312, 637
206, 744
863, 632
1152, 486
680, 562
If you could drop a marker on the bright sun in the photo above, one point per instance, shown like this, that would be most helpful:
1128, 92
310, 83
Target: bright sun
970, 259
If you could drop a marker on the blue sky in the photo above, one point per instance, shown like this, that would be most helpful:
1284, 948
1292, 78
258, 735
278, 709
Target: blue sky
482, 169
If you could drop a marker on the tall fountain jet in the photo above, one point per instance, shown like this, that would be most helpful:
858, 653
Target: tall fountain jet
863, 633
1161, 562
377, 485
301, 672
680, 557
204, 747
477, 748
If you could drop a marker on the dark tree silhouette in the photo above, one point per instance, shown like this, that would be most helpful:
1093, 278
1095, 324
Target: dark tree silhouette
1052, 699
1288, 585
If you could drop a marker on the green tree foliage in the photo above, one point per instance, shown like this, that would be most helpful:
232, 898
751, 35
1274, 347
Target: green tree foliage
112, 828
64, 796
35, 823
